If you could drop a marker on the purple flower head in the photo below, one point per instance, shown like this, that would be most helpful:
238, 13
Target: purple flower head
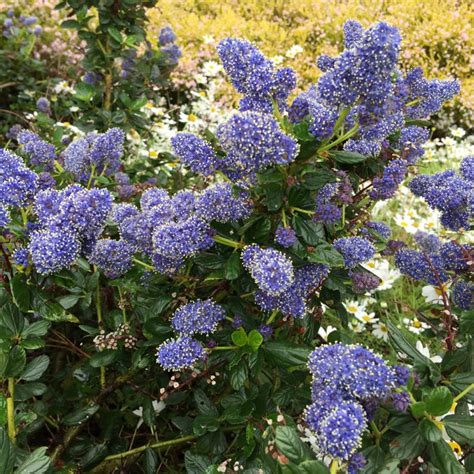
198, 317
354, 250
39, 152
195, 153
113, 257
18, 184
43, 105
52, 251
180, 353
285, 236
254, 141
166, 36
421, 266
220, 203
463, 295
271, 270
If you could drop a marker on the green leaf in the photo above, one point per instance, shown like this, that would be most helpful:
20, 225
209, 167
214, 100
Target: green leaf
441, 456
68, 301
80, 416
7, 453
255, 340
460, 428
407, 445
37, 462
35, 369
115, 34
13, 362
439, 401
239, 337
103, 358
327, 255
311, 232
38, 328
289, 443
429, 430
286, 354
238, 375
56, 313
20, 292
233, 267
348, 157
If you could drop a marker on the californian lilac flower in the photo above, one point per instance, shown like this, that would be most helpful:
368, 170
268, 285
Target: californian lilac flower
18, 184
98, 153
183, 204
429, 243
4, 216
220, 203
13, 132
120, 212
402, 375
52, 251
292, 302
266, 331
364, 281
356, 463
47, 205
181, 353
21, 257
340, 432
271, 270
166, 36
421, 266
43, 105
354, 250
38, 151
384, 187
182, 239
285, 236
428, 96
112, 257
171, 53
454, 256
401, 401
197, 317
462, 295
467, 168
450, 194
254, 141
253, 75
195, 153
411, 141
378, 228
363, 71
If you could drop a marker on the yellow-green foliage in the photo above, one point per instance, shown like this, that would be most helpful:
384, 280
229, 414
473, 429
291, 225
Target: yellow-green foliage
437, 34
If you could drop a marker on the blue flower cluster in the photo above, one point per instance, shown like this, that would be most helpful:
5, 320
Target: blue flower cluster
293, 301
253, 75
354, 250
113, 257
179, 353
271, 270
252, 141
450, 193
40, 153
95, 154
198, 317
345, 379
70, 223
18, 184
